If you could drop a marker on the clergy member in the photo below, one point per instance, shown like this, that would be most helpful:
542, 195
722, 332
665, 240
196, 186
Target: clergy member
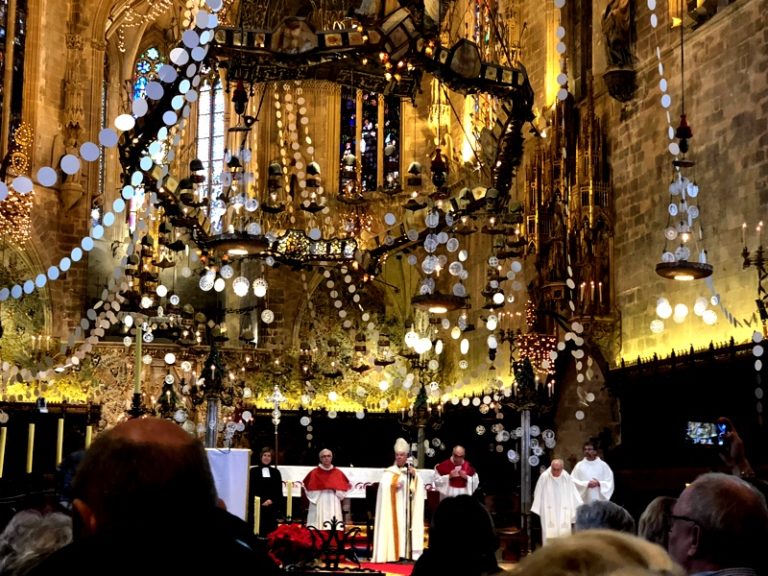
325, 486
555, 500
592, 476
399, 510
266, 482
456, 476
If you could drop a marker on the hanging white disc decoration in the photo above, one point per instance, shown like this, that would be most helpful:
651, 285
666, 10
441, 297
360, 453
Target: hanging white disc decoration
46, 176
108, 138
22, 185
125, 122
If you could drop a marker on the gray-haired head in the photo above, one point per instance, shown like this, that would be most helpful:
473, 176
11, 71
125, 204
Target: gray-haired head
30, 537
604, 514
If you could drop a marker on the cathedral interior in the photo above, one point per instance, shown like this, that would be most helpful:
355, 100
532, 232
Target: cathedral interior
328, 223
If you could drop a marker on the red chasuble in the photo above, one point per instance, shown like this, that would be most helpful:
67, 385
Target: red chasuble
333, 479
447, 466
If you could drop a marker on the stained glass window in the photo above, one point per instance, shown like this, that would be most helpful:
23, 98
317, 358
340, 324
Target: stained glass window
210, 143
146, 69
19, 44
371, 144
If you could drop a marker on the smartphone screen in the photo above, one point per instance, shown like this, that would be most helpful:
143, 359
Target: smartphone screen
722, 428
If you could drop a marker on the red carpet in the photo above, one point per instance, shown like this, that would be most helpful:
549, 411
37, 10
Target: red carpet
404, 569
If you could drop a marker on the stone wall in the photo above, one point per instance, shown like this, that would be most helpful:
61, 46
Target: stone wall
726, 100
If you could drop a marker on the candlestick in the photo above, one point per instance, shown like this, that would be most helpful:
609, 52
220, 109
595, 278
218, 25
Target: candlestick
3, 435
592, 291
256, 514
137, 368
600, 291
59, 440
289, 502
581, 290
30, 447
88, 436
744, 234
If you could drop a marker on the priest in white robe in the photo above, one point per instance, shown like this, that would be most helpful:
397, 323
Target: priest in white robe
399, 525
592, 476
555, 500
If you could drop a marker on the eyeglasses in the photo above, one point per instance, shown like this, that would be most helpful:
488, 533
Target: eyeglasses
458, 455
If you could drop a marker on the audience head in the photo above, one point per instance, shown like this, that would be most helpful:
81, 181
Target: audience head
598, 553
143, 473
326, 457
719, 521
604, 514
30, 537
556, 468
656, 521
462, 524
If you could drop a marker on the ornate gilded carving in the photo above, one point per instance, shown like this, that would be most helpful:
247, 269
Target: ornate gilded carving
16, 209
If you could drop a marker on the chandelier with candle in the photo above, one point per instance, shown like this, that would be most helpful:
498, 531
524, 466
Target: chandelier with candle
683, 257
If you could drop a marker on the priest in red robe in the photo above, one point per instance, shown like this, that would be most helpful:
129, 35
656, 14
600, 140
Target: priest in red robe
325, 487
456, 476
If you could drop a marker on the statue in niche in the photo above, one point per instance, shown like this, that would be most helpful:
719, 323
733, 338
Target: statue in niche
617, 33
620, 75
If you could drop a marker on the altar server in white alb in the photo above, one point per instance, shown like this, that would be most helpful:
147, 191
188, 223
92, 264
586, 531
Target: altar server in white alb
555, 500
592, 476
399, 529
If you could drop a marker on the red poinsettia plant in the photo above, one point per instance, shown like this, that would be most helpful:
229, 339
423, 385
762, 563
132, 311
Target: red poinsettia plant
293, 544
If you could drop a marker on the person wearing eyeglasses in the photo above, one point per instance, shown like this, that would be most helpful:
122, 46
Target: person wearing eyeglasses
592, 476
456, 475
719, 526
325, 486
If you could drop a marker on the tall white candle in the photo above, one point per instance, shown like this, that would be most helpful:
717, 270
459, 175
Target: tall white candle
88, 436
3, 437
137, 367
30, 447
256, 514
289, 500
59, 440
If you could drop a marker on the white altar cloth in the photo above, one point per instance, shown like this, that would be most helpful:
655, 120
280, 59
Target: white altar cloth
358, 477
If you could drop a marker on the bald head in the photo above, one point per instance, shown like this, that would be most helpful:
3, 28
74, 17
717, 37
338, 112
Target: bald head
142, 472
152, 431
719, 521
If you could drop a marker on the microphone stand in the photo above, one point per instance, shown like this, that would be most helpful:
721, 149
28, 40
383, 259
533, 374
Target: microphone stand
408, 505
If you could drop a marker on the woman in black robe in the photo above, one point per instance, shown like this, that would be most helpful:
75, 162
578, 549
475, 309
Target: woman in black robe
266, 483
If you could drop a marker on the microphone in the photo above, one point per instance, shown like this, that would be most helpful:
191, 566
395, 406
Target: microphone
409, 462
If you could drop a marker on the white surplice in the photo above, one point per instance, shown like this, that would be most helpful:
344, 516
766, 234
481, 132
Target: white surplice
584, 471
324, 505
555, 501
